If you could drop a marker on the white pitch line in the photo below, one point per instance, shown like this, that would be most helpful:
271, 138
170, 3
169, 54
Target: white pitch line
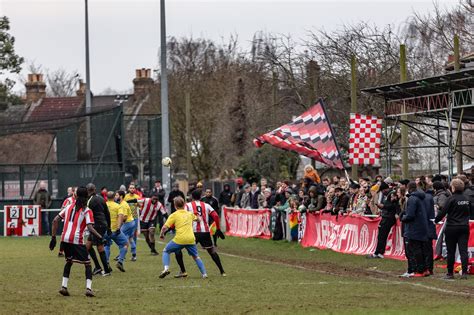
414, 284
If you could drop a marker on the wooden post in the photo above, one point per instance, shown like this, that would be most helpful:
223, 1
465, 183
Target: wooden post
457, 66
188, 133
354, 171
404, 127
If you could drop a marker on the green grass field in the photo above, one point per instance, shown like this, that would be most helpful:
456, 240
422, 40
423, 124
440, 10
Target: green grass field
263, 277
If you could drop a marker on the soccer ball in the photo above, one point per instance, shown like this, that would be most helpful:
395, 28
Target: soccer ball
166, 161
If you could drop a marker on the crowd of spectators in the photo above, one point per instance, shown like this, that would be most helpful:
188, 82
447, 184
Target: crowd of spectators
418, 203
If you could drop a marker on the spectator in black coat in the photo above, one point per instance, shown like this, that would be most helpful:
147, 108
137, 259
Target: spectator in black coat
342, 201
390, 209
173, 194
457, 210
159, 191
416, 227
225, 197
428, 245
254, 193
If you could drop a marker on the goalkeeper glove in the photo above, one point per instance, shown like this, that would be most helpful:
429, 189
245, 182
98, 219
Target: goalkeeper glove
220, 235
52, 243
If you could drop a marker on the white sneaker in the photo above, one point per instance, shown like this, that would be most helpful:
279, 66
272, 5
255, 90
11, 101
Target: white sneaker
407, 275
204, 276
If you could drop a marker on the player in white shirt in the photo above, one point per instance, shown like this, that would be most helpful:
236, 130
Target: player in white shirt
202, 232
148, 216
77, 217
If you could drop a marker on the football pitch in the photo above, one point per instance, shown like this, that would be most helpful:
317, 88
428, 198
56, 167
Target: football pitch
262, 277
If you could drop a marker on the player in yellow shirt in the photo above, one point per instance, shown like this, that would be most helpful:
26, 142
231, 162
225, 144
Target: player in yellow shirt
132, 198
117, 217
182, 220
128, 227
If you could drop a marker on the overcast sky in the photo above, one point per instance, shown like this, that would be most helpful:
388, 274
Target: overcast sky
124, 35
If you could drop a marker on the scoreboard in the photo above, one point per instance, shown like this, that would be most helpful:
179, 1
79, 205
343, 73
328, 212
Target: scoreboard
22, 220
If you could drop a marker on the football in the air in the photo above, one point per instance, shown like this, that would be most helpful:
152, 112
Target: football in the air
166, 161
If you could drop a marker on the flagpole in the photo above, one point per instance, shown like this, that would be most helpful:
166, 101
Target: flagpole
334, 138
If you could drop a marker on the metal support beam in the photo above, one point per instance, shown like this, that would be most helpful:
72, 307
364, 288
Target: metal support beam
432, 137
439, 148
457, 66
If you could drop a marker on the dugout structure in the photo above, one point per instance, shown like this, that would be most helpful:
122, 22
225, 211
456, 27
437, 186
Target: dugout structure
441, 103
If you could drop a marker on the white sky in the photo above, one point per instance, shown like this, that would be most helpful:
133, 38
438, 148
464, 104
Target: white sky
124, 35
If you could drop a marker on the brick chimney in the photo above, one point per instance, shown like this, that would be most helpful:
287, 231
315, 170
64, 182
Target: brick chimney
35, 88
81, 91
142, 82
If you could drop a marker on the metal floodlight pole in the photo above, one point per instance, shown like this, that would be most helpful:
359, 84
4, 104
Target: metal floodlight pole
165, 130
88, 81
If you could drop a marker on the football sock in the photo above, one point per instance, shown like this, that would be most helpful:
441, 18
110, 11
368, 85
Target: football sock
67, 269
65, 281
133, 247
179, 260
103, 259
152, 246
88, 277
123, 252
217, 260
94, 258
166, 260
146, 239
200, 265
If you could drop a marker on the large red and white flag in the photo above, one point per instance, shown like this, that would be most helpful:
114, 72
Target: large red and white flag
309, 134
364, 139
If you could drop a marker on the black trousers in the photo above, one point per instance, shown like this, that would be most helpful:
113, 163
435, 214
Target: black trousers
414, 249
384, 229
457, 235
410, 257
428, 254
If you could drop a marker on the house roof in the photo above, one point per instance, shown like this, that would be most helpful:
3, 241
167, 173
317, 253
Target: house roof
54, 108
52, 113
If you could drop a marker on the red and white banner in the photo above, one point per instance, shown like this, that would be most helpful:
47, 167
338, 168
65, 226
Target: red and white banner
351, 234
22, 221
247, 222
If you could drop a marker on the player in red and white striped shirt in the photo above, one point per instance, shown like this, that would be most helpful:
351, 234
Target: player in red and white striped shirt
67, 202
77, 217
201, 231
148, 215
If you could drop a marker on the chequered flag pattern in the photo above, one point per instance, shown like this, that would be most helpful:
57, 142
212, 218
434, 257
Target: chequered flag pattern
364, 139
308, 134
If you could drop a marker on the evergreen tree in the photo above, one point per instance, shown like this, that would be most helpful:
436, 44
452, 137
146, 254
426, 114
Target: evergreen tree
10, 63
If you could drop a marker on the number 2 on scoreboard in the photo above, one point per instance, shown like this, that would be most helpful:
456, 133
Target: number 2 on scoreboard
14, 213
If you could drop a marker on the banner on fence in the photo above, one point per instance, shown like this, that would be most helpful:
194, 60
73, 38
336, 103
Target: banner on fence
22, 221
247, 223
350, 234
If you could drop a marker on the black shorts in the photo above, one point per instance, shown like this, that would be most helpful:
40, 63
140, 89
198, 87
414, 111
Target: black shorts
101, 229
145, 226
204, 239
76, 253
